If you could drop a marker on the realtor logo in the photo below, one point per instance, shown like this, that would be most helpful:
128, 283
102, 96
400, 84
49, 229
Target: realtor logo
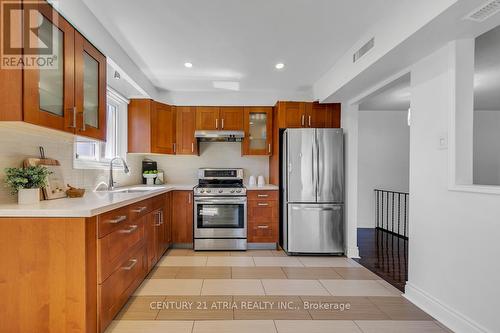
28, 35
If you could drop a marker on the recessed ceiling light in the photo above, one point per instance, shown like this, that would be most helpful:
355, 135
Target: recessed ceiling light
188, 65
280, 65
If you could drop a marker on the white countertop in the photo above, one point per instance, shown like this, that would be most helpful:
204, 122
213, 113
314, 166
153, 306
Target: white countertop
267, 187
92, 203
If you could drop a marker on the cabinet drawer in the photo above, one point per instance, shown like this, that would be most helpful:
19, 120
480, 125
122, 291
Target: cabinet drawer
158, 202
113, 220
262, 210
140, 208
263, 232
115, 248
262, 195
114, 292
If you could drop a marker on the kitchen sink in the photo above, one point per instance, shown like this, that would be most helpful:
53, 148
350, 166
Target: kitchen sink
135, 190
138, 189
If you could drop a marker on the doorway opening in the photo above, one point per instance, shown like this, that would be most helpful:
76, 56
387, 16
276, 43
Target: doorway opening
383, 181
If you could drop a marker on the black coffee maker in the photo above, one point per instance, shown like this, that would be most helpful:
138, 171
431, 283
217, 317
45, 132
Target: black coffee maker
148, 165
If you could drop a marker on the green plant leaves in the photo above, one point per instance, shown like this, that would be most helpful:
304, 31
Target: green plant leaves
30, 177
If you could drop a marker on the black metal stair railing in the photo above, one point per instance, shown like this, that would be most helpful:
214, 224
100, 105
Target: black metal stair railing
391, 212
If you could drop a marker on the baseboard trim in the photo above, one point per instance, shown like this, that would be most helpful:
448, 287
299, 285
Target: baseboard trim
452, 319
352, 252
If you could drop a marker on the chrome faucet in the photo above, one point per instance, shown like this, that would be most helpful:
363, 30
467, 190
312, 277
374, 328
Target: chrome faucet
111, 183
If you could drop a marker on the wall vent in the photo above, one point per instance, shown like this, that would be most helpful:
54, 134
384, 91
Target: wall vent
485, 11
364, 50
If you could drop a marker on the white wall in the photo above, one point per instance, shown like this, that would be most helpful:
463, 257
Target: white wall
78, 14
454, 247
255, 98
383, 158
487, 147
19, 141
183, 168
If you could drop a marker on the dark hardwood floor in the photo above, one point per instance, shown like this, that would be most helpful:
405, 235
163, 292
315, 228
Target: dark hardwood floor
384, 254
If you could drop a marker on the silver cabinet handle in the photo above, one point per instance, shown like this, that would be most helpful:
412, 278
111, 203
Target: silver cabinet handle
84, 126
216, 123
263, 226
303, 120
222, 123
262, 195
192, 147
189, 199
160, 219
175, 147
262, 204
140, 209
129, 267
118, 219
131, 230
269, 148
309, 121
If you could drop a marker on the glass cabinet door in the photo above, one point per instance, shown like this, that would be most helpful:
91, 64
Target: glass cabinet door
90, 89
48, 98
258, 127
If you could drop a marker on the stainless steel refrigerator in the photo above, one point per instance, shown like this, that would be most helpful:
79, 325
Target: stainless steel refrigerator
313, 191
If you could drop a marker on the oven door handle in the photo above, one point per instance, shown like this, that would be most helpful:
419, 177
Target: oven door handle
220, 200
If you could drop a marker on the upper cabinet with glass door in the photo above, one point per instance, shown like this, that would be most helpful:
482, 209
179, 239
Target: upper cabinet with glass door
258, 131
68, 91
48, 90
90, 89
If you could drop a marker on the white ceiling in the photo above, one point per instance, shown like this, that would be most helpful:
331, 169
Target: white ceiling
487, 71
236, 40
393, 97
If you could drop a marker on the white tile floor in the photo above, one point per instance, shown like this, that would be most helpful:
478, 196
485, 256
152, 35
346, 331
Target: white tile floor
313, 280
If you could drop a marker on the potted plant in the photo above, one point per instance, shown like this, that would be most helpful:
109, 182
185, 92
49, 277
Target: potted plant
26, 182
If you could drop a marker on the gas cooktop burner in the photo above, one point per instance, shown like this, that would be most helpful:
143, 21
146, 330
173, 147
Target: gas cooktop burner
220, 182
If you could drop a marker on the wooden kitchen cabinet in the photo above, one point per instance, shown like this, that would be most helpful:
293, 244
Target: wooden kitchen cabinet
323, 115
186, 126
182, 217
212, 118
207, 118
294, 114
308, 115
71, 96
231, 118
90, 89
263, 208
258, 131
151, 127
49, 94
163, 129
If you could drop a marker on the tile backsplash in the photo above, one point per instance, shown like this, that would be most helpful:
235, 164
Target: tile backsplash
183, 168
19, 141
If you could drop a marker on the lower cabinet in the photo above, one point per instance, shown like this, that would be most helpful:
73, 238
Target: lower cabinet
263, 216
131, 241
115, 291
182, 217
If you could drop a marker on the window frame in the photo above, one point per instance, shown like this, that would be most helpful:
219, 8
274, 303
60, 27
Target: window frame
121, 103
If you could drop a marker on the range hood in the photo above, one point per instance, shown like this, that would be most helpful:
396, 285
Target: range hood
219, 136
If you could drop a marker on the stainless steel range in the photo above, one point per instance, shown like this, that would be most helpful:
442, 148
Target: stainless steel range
220, 210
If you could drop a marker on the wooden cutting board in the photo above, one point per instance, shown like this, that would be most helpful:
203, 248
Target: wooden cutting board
56, 187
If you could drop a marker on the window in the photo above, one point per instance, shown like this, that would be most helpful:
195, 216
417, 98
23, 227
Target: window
93, 154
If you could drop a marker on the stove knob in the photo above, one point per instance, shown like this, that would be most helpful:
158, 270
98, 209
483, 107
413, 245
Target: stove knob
201, 191
232, 191
220, 191
209, 191
238, 191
